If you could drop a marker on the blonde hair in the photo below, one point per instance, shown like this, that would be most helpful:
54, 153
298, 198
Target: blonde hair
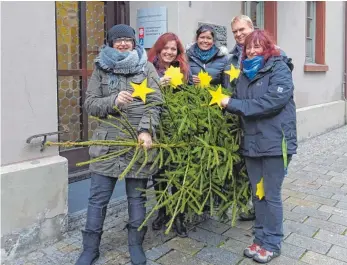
244, 18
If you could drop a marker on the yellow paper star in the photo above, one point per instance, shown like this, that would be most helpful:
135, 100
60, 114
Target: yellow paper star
233, 72
175, 74
141, 90
217, 96
205, 79
260, 189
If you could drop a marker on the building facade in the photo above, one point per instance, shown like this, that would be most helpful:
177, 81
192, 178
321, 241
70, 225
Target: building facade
47, 60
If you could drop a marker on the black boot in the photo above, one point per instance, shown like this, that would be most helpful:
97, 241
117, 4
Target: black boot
91, 243
135, 239
179, 226
161, 220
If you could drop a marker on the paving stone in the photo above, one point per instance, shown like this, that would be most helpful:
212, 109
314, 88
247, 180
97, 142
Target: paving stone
332, 238
327, 225
156, 252
333, 210
340, 197
289, 179
218, 256
185, 245
334, 190
338, 219
214, 226
308, 191
312, 212
299, 228
287, 206
334, 174
328, 183
319, 259
298, 217
281, 260
311, 176
306, 183
338, 253
35, 255
235, 246
341, 205
316, 169
301, 202
293, 193
207, 237
239, 234
245, 225
176, 257
338, 167
292, 251
308, 243
339, 179
321, 200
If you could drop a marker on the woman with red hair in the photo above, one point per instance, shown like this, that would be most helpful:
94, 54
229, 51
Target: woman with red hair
169, 51
264, 100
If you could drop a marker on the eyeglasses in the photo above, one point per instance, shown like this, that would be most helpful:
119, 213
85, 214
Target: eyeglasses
126, 40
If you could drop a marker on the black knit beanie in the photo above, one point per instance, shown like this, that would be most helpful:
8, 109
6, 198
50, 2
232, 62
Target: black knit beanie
120, 31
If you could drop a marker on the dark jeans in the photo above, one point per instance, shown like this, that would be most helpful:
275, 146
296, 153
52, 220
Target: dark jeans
269, 211
101, 190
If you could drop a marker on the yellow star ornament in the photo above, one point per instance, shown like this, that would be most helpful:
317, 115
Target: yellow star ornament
260, 189
205, 79
217, 96
233, 72
141, 90
175, 74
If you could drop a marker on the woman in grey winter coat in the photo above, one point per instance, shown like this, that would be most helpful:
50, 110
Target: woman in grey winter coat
264, 99
121, 62
206, 56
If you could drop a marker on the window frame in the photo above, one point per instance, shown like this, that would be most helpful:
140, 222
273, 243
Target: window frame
269, 16
319, 64
311, 58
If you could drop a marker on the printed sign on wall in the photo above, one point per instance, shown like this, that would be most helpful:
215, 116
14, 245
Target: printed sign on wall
151, 23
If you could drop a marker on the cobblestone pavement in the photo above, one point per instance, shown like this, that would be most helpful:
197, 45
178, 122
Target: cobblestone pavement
315, 222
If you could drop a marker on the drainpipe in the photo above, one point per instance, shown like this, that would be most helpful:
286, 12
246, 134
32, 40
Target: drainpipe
345, 70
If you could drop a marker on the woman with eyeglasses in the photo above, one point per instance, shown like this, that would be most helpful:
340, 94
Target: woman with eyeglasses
121, 62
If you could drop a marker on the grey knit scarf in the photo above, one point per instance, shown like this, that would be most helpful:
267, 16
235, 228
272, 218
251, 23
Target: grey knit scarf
115, 62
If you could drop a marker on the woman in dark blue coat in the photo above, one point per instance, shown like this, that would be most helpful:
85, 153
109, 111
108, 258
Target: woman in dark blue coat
206, 56
264, 100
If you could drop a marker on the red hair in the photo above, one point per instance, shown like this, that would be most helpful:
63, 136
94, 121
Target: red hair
265, 41
181, 56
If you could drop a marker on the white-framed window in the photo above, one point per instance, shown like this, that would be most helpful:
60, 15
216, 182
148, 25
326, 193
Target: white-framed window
310, 31
255, 10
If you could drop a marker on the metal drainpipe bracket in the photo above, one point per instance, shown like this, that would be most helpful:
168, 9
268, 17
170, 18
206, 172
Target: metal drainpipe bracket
44, 135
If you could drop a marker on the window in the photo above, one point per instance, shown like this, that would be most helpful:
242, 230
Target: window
315, 37
310, 31
263, 14
255, 10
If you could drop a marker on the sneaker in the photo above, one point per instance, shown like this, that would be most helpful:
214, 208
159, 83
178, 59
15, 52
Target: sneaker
251, 250
265, 256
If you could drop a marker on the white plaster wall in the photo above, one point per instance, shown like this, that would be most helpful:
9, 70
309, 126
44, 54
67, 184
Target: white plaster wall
313, 88
183, 20
28, 83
